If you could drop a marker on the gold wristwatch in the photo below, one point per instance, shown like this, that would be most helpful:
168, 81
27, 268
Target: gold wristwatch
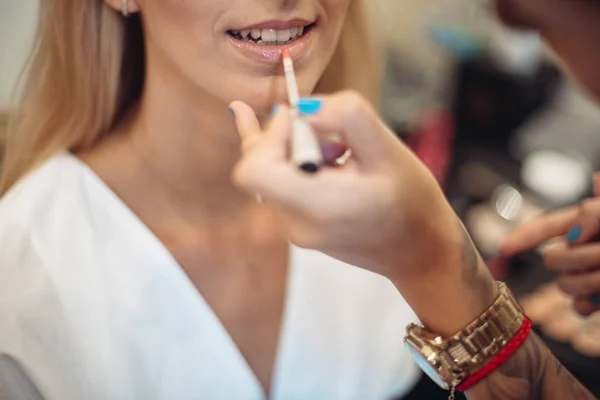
450, 361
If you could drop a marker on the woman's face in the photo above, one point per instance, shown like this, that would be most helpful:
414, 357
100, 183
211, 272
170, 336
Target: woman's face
231, 49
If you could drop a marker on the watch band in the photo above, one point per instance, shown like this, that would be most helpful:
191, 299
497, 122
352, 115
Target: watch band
481, 340
452, 361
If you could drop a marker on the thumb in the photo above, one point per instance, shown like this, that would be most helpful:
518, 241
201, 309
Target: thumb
275, 135
246, 122
264, 159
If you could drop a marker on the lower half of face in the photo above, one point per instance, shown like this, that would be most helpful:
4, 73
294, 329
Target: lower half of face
231, 50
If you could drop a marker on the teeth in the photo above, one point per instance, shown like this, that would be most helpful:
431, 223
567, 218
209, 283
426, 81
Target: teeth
269, 37
284, 36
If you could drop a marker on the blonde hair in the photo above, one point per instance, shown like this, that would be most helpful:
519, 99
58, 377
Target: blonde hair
87, 69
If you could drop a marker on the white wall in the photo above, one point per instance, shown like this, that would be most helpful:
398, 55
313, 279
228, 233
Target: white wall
404, 25
17, 27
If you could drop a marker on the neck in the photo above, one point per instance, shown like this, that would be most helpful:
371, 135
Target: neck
179, 147
189, 139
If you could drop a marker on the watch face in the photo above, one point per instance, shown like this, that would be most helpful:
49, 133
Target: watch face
429, 369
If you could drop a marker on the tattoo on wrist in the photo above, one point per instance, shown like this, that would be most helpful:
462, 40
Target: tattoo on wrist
531, 373
469, 253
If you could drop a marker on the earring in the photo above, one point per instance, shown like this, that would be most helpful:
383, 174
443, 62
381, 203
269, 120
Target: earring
125, 8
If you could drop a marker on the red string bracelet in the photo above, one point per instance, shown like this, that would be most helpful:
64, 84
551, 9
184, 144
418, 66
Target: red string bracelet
500, 358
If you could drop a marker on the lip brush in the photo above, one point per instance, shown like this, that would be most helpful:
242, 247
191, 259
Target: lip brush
305, 149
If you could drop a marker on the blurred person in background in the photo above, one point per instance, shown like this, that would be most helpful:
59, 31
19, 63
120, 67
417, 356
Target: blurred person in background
571, 29
134, 267
575, 251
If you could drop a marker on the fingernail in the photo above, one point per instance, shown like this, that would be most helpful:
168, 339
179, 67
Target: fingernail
596, 300
232, 112
309, 106
274, 110
574, 234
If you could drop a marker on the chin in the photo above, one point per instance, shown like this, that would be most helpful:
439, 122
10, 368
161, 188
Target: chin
265, 95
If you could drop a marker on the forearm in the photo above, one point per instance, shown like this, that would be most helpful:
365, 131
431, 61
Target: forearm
454, 286
531, 373
460, 293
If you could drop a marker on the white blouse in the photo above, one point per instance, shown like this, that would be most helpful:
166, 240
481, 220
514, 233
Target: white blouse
94, 307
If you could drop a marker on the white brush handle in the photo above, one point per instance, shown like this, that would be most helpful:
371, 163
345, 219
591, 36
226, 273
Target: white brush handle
306, 152
292, 85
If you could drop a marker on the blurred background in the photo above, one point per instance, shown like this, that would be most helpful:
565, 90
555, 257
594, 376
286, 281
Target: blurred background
506, 134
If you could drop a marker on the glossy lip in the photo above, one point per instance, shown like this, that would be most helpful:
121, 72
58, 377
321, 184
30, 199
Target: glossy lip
272, 54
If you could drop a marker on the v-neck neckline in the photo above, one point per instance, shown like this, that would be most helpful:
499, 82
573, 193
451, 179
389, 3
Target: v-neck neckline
178, 272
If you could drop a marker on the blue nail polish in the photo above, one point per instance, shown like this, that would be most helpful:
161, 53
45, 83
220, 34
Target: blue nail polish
309, 106
596, 300
574, 234
274, 110
232, 112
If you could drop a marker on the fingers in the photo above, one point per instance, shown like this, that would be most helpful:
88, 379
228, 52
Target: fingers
564, 258
578, 258
348, 114
273, 141
250, 132
585, 284
265, 169
538, 231
246, 122
581, 274
579, 225
587, 225
587, 306
332, 150
264, 153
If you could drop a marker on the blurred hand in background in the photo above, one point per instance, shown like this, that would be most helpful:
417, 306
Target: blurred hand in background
576, 254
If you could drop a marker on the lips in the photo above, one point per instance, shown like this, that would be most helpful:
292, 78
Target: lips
269, 37
265, 41
273, 33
